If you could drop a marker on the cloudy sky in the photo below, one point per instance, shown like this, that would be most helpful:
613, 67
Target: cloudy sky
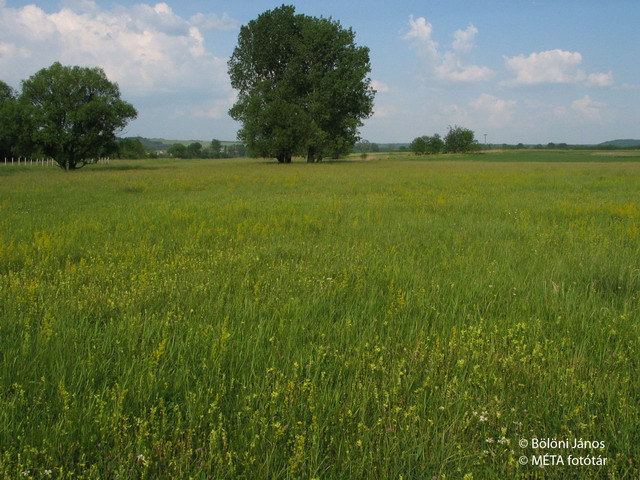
519, 71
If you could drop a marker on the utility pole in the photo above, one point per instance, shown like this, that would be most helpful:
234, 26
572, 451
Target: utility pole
485, 138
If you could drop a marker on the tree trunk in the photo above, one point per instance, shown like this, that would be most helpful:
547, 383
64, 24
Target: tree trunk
310, 155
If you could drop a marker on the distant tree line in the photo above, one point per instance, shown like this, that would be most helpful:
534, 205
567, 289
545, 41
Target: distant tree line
558, 146
457, 140
365, 146
521, 146
134, 148
215, 149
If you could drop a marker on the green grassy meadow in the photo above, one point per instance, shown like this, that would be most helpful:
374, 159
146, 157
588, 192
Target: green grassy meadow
395, 318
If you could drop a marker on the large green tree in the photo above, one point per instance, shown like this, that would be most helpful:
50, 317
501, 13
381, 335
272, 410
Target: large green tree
303, 86
74, 113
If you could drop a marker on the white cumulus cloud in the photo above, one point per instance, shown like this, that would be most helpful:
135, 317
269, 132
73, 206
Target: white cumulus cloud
419, 35
553, 66
500, 112
216, 108
464, 39
11, 52
450, 65
600, 79
144, 48
588, 109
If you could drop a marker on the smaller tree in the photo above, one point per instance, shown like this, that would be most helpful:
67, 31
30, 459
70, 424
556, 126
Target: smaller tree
460, 140
74, 113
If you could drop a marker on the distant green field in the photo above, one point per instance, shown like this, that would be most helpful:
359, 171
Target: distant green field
396, 318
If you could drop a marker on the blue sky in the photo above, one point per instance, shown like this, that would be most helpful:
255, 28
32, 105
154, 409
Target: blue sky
518, 71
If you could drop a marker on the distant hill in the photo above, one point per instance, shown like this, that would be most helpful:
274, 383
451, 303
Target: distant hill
620, 143
392, 146
153, 143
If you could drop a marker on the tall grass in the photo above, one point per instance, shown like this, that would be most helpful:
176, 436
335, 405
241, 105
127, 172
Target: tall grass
382, 319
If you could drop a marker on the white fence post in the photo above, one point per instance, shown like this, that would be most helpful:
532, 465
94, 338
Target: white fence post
43, 161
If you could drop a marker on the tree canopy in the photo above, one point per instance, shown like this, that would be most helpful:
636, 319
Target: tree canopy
460, 140
177, 150
8, 119
6, 92
73, 113
302, 86
427, 145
